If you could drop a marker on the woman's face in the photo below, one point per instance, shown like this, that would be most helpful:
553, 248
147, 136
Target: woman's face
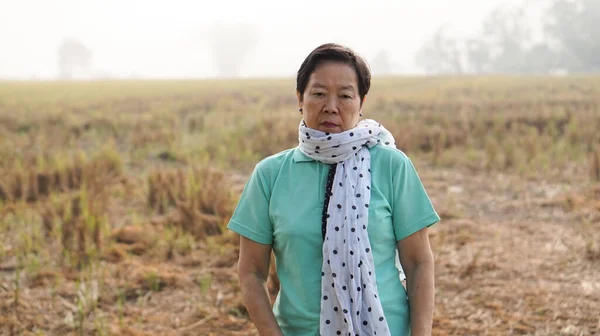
331, 102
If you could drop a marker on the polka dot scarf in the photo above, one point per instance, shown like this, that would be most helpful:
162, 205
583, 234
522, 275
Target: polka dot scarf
350, 301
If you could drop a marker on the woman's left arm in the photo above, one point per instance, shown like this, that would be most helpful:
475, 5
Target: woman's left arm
416, 258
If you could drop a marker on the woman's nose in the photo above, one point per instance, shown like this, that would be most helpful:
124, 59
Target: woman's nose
331, 105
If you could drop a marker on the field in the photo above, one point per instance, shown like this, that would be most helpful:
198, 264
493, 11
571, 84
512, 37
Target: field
114, 198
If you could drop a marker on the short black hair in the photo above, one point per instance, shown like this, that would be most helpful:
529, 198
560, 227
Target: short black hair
334, 52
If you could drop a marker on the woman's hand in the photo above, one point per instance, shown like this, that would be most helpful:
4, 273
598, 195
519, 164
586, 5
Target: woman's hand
417, 261
253, 271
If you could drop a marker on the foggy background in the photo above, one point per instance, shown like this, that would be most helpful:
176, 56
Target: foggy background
85, 39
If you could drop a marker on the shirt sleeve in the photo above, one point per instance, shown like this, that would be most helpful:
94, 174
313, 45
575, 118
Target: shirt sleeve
412, 208
251, 216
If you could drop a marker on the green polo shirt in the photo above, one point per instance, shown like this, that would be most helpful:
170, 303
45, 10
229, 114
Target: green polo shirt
282, 205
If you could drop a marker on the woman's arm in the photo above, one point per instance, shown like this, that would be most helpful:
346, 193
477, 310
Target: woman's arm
253, 271
417, 261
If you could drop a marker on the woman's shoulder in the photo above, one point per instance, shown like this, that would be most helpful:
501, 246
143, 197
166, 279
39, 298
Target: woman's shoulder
389, 154
271, 165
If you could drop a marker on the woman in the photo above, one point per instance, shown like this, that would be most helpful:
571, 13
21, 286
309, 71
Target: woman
334, 210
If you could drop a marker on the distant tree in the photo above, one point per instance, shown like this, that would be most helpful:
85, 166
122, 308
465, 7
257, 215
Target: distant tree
381, 63
231, 45
73, 57
504, 44
442, 54
572, 28
506, 34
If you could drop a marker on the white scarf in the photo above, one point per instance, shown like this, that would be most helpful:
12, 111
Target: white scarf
350, 302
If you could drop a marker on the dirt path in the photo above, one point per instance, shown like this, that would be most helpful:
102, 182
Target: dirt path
510, 258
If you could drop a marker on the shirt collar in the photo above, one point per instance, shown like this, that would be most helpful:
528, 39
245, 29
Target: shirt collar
301, 157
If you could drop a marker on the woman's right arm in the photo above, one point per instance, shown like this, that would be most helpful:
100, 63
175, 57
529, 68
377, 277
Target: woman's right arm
253, 271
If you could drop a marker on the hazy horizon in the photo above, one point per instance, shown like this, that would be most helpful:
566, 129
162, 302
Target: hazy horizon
149, 39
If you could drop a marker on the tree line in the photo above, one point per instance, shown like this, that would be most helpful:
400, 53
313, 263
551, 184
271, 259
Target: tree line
505, 42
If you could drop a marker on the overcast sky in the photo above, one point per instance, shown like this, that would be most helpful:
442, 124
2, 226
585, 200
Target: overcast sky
171, 39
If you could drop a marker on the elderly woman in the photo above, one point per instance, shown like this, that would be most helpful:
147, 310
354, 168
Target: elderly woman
335, 210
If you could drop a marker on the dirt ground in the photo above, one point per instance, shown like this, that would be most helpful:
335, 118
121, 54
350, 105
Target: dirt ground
513, 257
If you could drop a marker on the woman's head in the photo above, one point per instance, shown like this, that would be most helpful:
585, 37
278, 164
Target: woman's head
331, 86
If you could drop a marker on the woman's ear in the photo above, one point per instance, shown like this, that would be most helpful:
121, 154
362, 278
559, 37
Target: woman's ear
362, 103
299, 96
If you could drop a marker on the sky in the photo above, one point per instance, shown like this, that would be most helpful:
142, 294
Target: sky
173, 39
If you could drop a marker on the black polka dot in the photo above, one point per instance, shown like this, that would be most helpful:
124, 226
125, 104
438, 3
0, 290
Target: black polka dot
358, 289
318, 147
351, 134
333, 275
381, 318
354, 207
337, 228
329, 138
353, 229
325, 297
364, 322
327, 322
357, 195
370, 132
339, 206
355, 168
345, 311
335, 251
366, 250
335, 308
360, 175
344, 288
369, 309
366, 205
353, 147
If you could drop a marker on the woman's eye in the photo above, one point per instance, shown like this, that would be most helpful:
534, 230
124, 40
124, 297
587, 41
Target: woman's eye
347, 97
318, 94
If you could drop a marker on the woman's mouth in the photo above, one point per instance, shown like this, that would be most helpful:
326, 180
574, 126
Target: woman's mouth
329, 124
